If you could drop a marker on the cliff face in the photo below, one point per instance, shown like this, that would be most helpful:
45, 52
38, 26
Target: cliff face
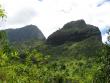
27, 33
74, 31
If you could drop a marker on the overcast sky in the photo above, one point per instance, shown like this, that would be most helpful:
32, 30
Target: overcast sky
50, 15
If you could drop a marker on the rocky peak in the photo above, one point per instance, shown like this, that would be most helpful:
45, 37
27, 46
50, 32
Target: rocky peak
74, 31
75, 24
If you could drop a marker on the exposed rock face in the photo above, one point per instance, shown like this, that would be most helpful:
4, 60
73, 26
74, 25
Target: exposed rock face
74, 31
27, 33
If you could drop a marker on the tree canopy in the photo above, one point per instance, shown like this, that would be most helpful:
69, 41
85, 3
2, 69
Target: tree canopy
2, 12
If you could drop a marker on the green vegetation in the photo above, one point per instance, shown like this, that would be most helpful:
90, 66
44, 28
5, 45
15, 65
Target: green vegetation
68, 61
32, 66
2, 13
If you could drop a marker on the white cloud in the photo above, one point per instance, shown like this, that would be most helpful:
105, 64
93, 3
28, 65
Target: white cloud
102, 2
53, 14
23, 16
104, 39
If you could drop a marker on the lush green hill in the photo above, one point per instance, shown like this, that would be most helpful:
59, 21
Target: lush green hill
88, 47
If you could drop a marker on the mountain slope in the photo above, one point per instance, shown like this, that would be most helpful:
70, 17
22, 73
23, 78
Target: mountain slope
74, 39
74, 31
27, 33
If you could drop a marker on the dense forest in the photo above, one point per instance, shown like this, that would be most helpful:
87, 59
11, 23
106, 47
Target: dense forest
73, 54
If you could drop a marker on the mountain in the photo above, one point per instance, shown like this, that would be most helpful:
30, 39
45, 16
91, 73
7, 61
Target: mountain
74, 31
72, 54
26, 33
75, 38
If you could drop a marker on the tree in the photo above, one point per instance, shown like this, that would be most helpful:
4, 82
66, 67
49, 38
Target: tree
103, 75
3, 38
107, 66
2, 12
109, 35
106, 60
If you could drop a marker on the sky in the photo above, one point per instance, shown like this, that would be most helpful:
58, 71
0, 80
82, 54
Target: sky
50, 15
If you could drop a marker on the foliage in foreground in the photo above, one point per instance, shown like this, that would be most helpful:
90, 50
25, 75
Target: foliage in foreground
31, 66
